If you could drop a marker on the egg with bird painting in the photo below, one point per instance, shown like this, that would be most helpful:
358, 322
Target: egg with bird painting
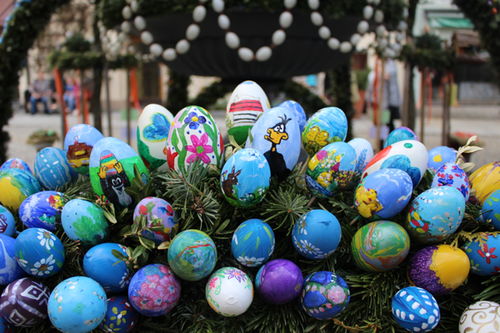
16, 186
364, 152
78, 144
324, 127
52, 168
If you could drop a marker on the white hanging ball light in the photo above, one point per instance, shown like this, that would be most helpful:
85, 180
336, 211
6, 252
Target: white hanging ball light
333, 43
376, 2
264, 53
380, 30
279, 37
403, 26
182, 46
363, 27
316, 18
286, 19
245, 54
400, 37
289, 4
126, 12
131, 49
368, 12
382, 43
355, 39
199, 13
379, 16
126, 26
193, 31
140, 23
324, 32
134, 5
218, 5
223, 21
345, 47
169, 54
232, 40
313, 4
156, 49
146, 37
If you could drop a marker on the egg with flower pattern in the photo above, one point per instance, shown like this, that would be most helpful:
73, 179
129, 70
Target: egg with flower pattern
325, 126
120, 316
440, 155
484, 254
450, 174
253, 243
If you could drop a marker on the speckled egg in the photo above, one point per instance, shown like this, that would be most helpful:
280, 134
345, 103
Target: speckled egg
16, 186
325, 295
42, 210
490, 212
77, 305
39, 252
435, 214
154, 290
153, 126
24, 303
279, 281
84, 221
193, 136
253, 243
440, 155
482, 316
439, 269
364, 152
78, 144
400, 134
484, 254
192, 255
102, 265
409, 156
415, 310
52, 168
161, 224
300, 114
229, 292
383, 193
485, 180
7, 222
316, 234
331, 169
120, 317
380, 246
325, 126
9, 268
276, 135
15, 163
450, 174
245, 178
113, 165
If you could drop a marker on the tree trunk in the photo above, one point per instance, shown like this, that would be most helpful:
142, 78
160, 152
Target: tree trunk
95, 100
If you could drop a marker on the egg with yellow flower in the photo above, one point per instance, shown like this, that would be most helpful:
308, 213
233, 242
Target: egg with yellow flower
324, 127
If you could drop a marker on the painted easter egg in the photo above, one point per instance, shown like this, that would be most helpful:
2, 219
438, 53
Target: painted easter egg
325, 126
247, 102
276, 134
383, 193
435, 214
16, 186
84, 221
101, 264
152, 133
484, 180
161, 224
279, 281
112, 170
154, 290
415, 310
78, 144
300, 114
400, 134
482, 316
52, 168
439, 269
193, 136
316, 234
245, 178
39, 252
229, 291
380, 246
24, 303
42, 210
15, 163
450, 174
409, 156
9, 268
325, 295
484, 254
7, 222
120, 316
440, 155
331, 169
77, 305
490, 212
364, 152
192, 255
253, 243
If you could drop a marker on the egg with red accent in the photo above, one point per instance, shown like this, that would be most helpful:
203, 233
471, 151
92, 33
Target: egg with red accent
484, 254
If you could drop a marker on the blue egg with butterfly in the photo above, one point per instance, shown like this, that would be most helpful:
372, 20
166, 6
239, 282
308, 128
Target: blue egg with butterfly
52, 168
15, 163
253, 243
42, 210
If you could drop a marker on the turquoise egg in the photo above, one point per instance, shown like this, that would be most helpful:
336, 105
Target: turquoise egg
7, 222
253, 243
484, 254
192, 255
245, 178
16, 186
15, 163
400, 134
120, 316
77, 305
52, 168
435, 214
78, 144
9, 268
84, 221
300, 114
39, 252
364, 152
450, 174
440, 155
42, 210
324, 127
276, 135
490, 211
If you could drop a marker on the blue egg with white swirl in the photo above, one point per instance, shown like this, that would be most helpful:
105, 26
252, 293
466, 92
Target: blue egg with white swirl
415, 309
52, 168
253, 243
364, 152
7, 222
42, 210
15, 163
300, 114
9, 269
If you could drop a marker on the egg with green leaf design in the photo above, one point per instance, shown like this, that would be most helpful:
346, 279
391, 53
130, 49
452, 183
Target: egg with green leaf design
84, 221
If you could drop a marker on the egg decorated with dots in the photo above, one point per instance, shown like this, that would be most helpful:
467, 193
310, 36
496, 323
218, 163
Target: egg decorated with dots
52, 168
415, 310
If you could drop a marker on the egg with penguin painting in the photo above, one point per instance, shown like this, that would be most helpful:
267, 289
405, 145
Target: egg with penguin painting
42, 210
253, 243
52, 168
327, 125
415, 310
78, 144
299, 112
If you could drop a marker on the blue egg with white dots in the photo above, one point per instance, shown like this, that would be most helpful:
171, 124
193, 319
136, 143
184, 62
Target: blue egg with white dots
300, 114
415, 309
7, 222
52, 168
15, 163
253, 243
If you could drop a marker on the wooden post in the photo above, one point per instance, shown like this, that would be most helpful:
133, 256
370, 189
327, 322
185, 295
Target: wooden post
108, 100
405, 116
380, 103
60, 99
128, 108
82, 98
445, 135
423, 93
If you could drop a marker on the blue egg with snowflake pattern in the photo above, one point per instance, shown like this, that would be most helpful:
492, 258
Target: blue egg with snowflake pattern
484, 254
450, 174
15, 163
42, 210
115, 278
253, 243
120, 317
52, 168
9, 268
415, 309
7, 222
490, 212
39, 252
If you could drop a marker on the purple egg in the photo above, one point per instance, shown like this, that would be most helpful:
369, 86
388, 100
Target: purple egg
279, 281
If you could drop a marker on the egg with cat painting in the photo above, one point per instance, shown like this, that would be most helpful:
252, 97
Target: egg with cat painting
78, 144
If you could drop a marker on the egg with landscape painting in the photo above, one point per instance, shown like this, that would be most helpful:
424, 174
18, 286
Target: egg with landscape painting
409, 156
7, 222
8, 264
16, 186
400, 134
193, 137
247, 102
485, 180
153, 126
440, 155
15, 163
84, 221
450, 174
253, 243
484, 254
78, 144
42, 210
490, 212
299, 112
113, 166
325, 126
364, 152
52, 168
